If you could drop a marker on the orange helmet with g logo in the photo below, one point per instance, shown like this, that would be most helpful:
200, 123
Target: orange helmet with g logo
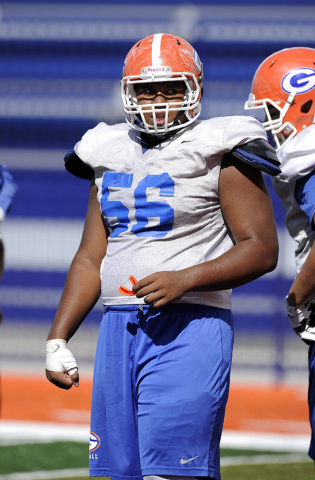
284, 86
162, 58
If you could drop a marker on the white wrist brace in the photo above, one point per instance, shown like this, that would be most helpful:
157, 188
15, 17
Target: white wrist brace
302, 319
59, 358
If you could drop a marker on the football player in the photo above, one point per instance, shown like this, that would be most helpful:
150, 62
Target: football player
178, 215
284, 87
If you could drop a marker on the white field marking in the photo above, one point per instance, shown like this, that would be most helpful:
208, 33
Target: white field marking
276, 442
263, 459
47, 474
19, 432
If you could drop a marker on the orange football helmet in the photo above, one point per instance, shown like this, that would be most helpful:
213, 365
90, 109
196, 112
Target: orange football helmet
162, 58
284, 86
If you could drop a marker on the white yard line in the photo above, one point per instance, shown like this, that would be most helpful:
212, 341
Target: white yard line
277, 442
42, 475
262, 459
18, 432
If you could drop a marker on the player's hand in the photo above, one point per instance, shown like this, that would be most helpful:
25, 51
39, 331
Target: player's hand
61, 366
160, 288
302, 319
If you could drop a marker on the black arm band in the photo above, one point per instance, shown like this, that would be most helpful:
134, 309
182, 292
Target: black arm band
259, 154
77, 167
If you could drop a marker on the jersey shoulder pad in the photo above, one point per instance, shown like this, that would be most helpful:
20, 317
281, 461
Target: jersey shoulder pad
259, 154
77, 167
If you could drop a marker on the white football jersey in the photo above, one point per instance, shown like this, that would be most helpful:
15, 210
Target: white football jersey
297, 159
162, 206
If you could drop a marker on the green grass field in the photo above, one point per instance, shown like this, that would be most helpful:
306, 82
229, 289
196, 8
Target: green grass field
290, 471
60, 456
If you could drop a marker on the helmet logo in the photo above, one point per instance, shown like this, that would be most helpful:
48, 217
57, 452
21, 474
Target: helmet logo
302, 79
94, 442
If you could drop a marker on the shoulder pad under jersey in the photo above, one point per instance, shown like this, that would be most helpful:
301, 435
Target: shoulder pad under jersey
77, 167
259, 154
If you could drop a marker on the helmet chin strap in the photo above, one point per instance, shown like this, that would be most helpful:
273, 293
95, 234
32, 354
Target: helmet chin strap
179, 116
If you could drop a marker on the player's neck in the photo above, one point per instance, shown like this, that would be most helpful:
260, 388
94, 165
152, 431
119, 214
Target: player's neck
153, 140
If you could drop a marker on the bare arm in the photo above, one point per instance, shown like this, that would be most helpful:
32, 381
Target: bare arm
83, 286
303, 287
247, 209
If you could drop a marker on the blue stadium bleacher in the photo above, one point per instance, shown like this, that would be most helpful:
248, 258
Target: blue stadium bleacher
60, 63
60, 66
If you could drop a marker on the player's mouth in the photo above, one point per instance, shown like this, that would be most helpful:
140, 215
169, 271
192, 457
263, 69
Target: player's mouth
160, 118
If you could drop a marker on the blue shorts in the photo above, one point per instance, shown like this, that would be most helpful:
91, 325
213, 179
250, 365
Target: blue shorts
160, 388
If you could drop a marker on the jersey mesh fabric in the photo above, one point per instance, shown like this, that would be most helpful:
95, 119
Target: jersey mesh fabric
162, 207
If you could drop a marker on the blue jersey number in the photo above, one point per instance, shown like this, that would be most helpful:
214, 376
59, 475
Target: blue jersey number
144, 209
115, 209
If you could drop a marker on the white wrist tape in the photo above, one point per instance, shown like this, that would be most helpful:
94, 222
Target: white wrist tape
59, 358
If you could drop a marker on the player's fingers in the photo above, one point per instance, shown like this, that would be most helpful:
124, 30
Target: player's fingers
138, 288
145, 282
59, 379
159, 303
154, 300
74, 377
143, 292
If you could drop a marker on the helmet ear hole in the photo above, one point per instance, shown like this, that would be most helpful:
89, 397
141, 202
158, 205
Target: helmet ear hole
306, 106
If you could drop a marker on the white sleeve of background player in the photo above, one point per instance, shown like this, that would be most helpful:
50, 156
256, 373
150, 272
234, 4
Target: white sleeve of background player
297, 156
59, 358
242, 129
